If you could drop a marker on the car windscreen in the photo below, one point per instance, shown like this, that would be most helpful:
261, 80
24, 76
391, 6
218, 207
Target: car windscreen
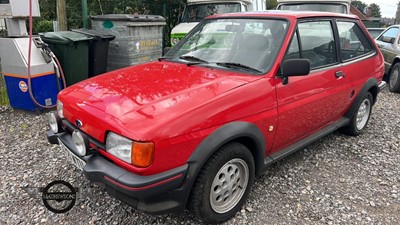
246, 44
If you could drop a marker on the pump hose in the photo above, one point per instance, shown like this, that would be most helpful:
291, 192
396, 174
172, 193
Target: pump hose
29, 64
60, 68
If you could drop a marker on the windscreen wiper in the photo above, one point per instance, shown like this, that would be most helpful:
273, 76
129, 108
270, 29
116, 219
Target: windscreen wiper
237, 65
194, 59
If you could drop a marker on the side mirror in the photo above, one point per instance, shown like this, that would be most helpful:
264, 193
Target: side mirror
388, 39
294, 67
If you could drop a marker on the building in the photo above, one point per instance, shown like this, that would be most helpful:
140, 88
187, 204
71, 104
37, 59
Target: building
368, 21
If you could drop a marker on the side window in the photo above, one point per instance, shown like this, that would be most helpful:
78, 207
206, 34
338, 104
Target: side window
391, 33
353, 42
317, 43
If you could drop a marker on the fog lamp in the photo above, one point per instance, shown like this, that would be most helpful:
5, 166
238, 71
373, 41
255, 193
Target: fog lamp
81, 142
60, 110
53, 123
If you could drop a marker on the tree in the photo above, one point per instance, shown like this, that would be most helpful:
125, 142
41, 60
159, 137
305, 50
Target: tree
271, 4
62, 15
361, 6
47, 9
375, 10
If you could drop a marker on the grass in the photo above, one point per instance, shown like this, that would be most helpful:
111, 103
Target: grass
3, 92
4, 97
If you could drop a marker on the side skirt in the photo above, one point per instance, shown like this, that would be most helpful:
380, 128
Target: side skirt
305, 141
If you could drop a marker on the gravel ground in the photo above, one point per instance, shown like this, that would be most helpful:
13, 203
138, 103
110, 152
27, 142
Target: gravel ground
336, 180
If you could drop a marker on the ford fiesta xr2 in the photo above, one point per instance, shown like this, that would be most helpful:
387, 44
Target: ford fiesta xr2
239, 92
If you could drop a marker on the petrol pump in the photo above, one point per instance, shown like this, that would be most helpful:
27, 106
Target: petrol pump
29, 68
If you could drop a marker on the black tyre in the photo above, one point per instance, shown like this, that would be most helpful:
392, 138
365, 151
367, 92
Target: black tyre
360, 119
394, 78
223, 184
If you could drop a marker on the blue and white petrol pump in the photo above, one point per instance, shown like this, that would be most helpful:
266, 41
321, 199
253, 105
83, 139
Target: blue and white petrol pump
32, 75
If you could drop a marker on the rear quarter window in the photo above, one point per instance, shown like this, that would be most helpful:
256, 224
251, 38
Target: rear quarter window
353, 41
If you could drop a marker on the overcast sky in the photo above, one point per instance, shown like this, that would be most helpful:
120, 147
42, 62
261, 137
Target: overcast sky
388, 7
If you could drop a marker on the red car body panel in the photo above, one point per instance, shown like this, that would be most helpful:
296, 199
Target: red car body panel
144, 102
136, 100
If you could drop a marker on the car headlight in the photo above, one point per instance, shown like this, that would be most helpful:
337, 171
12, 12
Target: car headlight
139, 154
60, 109
175, 40
53, 122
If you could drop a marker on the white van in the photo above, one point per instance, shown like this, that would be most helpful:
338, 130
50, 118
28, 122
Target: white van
337, 6
196, 10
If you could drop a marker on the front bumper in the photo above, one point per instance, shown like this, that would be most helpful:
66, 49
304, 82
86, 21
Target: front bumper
158, 193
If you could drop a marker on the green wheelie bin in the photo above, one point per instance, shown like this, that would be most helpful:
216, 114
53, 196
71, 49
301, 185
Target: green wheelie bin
72, 50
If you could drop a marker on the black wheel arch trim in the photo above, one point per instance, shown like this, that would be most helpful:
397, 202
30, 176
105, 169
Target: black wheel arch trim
218, 138
225, 134
371, 83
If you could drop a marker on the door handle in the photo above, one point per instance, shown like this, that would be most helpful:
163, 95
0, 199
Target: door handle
339, 74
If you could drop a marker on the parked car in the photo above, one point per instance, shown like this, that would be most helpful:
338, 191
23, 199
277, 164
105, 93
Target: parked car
375, 31
238, 93
388, 42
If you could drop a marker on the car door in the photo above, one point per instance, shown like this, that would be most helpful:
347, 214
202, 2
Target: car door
356, 53
308, 103
389, 44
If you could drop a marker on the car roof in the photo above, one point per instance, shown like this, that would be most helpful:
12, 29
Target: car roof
284, 14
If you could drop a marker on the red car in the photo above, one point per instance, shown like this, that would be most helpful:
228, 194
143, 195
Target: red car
238, 93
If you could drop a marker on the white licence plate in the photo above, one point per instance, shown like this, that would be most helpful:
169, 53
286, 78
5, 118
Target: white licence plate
71, 157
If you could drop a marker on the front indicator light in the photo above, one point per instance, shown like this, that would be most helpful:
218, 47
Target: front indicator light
139, 154
142, 154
